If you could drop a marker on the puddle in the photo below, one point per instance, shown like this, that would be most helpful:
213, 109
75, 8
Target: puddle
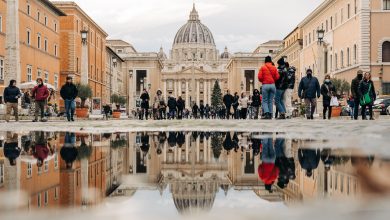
186, 174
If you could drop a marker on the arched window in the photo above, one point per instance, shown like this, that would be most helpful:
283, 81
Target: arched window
336, 62
331, 63
386, 51
348, 57
342, 59
355, 53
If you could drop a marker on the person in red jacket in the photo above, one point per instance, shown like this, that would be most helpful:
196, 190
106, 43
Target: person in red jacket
268, 75
267, 170
40, 94
40, 149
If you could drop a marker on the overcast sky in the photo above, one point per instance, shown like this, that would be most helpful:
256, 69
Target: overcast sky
240, 25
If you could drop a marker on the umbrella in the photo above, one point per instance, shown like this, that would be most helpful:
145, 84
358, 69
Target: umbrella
31, 85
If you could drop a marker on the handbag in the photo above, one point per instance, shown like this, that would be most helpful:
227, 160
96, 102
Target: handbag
334, 101
366, 99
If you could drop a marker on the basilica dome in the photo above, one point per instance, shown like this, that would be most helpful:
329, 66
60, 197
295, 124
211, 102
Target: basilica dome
194, 32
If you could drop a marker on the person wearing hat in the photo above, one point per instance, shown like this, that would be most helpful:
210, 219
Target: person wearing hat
356, 94
11, 97
69, 93
40, 94
268, 75
309, 90
145, 104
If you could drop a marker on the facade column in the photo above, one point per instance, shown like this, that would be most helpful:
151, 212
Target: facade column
165, 152
187, 146
165, 90
197, 93
12, 46
205, 149
251, 86
209, 149
175, 88
197, 149
209, 91
187, 95
205, 99
179, 88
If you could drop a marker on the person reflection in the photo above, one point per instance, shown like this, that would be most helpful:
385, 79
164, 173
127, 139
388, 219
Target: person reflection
267, 170
11, 149
327, 158
228, 143
69, 151
40, 148
145, 142
235, 141
309, 160
181, 139
256, 145
282, 163
172, 139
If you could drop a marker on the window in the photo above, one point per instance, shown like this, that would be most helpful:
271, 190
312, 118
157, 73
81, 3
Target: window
355, 8
38, 15
1, 174
1, 68
45, 20
55, 50
331, 63
355, 53
46, 163
46, 197
56, 193
1, 23
386, 4
327, 26
29, 73
331, 23
39, 200
119, 51
386, 51
28, 9
46, 77
342, 183
29, 170
55, 26
309, 38
349, 11
39, 41
342, 59
348, 57
45, 45
342, 15
28, 37
336, 64
39, 73
56, 86
39, 170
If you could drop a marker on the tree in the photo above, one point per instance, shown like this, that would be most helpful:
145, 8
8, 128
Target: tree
216, 144
84, 92
216, 96
118, 100
341, 85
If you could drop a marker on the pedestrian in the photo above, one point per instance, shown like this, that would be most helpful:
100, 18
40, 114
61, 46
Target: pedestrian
11, 148
40, 94
11, 96
40, 149
202, 110
367, 95
27, 100
180, 107
267, 170
327, 91
69, 93
355, 93
195, 109
69, 151
172, 105
145, 104
351, 104
243, 101
309, 160
281, 86
289, 91
235, 105
107, 110
309, 90
256, 103
268, 75
207, 111
159, 104
228, 101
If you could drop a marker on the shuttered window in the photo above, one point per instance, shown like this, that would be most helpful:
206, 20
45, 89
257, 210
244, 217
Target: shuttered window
386, 51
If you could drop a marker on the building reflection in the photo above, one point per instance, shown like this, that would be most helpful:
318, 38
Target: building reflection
80, 170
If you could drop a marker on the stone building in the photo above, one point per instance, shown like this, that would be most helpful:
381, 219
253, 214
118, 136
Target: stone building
73, 60
34, 45
116, 80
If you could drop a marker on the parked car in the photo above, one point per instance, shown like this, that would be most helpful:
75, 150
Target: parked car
388, 110
382, 104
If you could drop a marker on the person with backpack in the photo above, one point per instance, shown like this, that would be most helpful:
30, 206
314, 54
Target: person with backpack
40, 94
356, 94
268, 75
180, 107
367, 95
327, 91
256, 103
309, 90
228, 101
69, 93
289, 91
281, 86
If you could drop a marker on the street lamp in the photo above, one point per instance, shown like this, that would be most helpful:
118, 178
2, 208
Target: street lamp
84, 36
114, 61
320, 36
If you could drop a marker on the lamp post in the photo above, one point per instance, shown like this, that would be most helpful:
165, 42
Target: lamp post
320, 63
129, 93
84, 57
141, 86
251, 86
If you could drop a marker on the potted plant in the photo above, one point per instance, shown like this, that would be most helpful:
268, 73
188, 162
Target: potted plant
84, 92
118, 101
342, 87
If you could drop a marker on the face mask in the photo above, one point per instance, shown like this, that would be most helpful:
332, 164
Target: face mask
309, 74
360, 77
327, 81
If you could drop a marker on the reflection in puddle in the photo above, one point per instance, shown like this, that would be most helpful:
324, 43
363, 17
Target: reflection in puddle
57, 170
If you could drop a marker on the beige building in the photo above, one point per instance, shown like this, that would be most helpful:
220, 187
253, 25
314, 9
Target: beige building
192, 67
116, 80
355, 38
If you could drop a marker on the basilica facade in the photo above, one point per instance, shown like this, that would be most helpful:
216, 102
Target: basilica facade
192, 67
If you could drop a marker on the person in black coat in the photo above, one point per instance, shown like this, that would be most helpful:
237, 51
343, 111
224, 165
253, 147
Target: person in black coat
327, 91
11, 149
228, 101
256, 103
201, 110
180, 107
11, 96
327, 158
145, 104
309, 160
228, 143
195, 109
69, 151
355, 93
367, 86
69, 93
181, 139
172, 104
235, 105
309, 90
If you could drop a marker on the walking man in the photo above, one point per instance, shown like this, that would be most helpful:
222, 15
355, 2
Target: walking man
228, 101
268, 75
281, 86
40, 94
145, 104
356, 94
309, 90
289, 91
69, 93
11, 96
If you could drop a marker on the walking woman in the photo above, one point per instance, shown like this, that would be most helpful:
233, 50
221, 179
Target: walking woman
367, 94
268, 75
243, 101
327, 91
